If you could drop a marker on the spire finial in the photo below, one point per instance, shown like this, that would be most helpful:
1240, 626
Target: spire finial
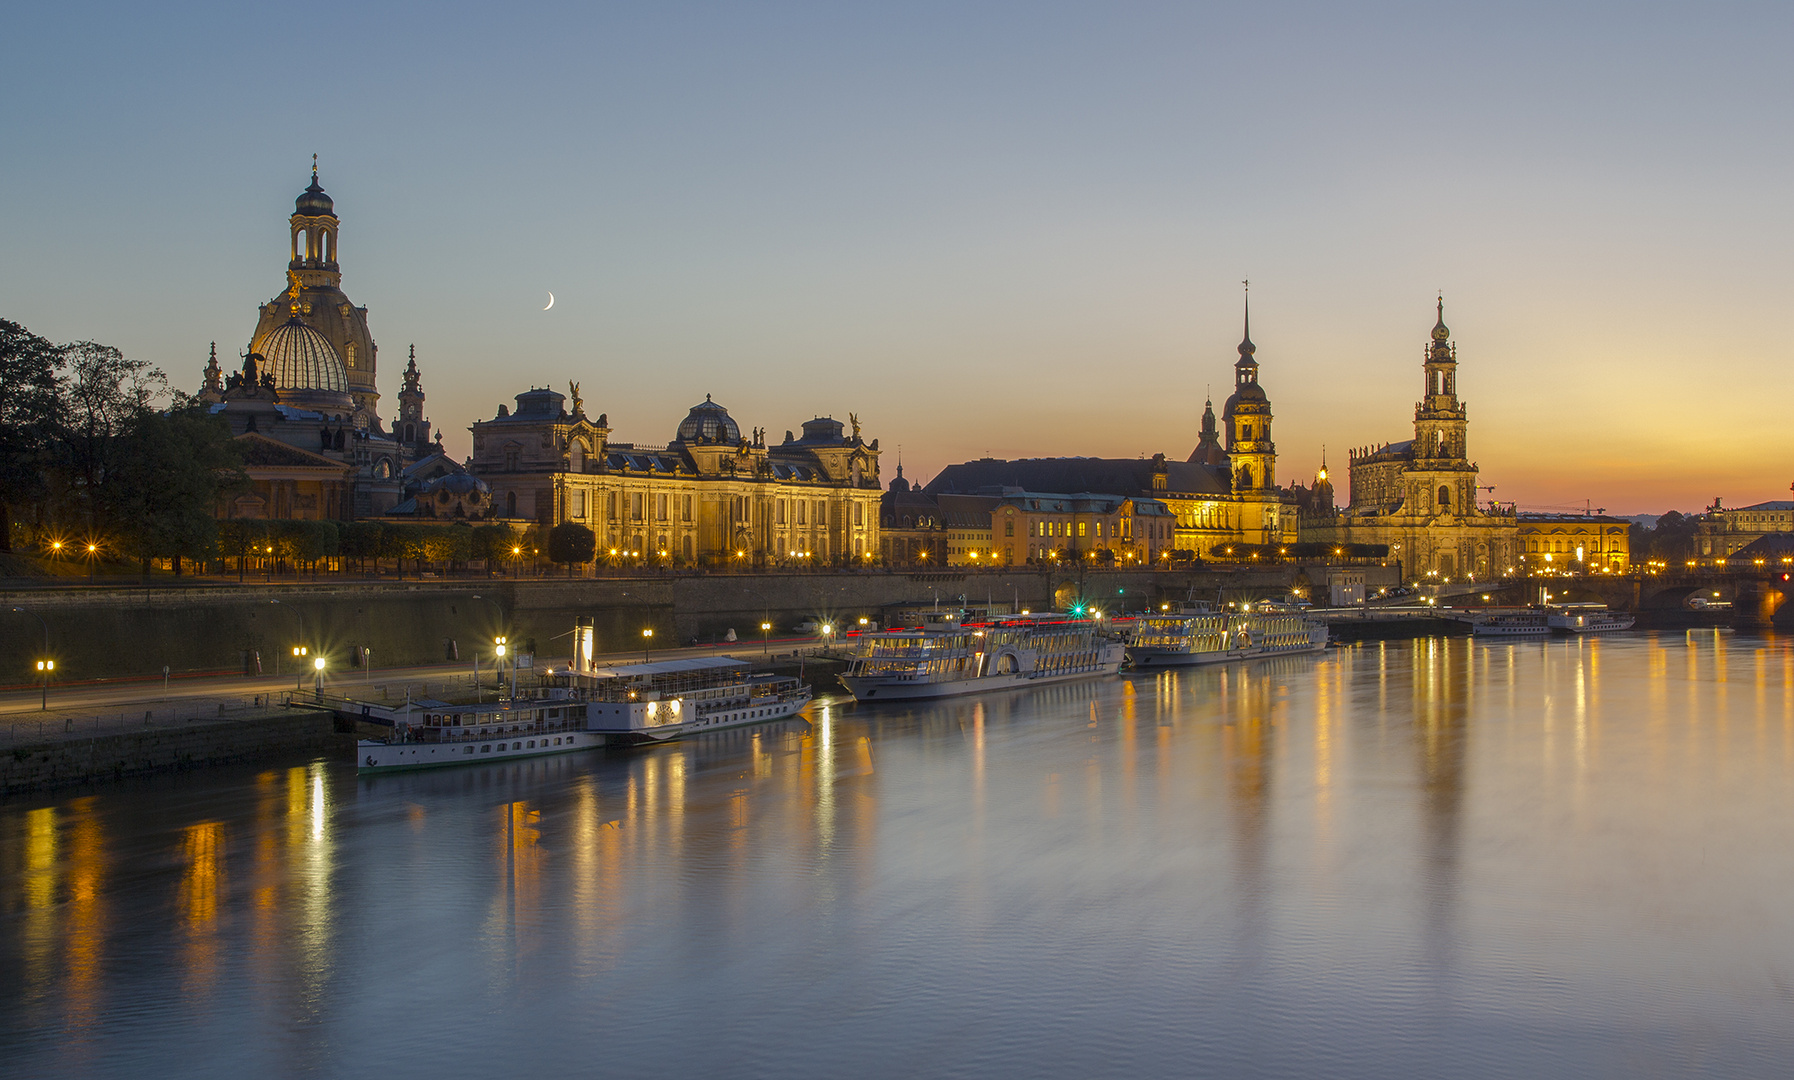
214, 352
1246, 346
314, 168
1441, 333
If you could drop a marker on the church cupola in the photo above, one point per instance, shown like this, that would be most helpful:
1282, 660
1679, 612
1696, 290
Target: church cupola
1208, 440
313, 226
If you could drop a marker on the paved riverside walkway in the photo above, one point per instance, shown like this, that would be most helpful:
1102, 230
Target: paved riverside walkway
87, 710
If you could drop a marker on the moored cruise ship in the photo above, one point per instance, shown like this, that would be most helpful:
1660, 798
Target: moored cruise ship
637, 703
1587, 618
1213, 637
947, 658
432, 734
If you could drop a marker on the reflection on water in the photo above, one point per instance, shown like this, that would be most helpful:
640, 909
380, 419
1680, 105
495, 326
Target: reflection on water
1441, 858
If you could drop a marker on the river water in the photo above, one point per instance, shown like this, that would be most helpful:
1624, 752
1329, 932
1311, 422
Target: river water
1436, 858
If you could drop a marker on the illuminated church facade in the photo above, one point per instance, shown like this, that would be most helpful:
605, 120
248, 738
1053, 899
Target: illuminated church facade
303, 403
1419, 496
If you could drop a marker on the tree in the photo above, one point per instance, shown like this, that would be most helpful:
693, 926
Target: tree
308, 541
495, 544
29, 400
239, 537
570, 542
361, 541
174, 469
106, 393
449, 544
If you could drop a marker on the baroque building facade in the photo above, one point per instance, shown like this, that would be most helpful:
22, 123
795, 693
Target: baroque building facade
1418, 496
304, 404
710, 496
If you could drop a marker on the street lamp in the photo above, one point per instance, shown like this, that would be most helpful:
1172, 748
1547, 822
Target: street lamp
46, 665
765, 639
647, 641
499, 649
828, 631
318, 666
367, 665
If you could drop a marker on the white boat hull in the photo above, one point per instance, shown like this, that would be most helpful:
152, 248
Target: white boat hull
627, 722
1151, 657
883, 688
376, 757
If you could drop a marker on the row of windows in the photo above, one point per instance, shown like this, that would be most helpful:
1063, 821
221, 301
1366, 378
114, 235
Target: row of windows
643, 506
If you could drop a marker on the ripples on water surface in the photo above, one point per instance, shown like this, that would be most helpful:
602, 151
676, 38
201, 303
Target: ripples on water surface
1443, 858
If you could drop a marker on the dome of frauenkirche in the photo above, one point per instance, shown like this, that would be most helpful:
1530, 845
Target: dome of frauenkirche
303, 359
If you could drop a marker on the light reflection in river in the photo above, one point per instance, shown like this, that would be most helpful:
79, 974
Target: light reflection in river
1439, 858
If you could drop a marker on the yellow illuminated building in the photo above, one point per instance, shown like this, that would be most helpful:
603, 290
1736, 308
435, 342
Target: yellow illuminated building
711, 496
1593, 542
1419, 497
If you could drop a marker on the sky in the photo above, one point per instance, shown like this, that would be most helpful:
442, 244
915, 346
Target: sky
1005, 229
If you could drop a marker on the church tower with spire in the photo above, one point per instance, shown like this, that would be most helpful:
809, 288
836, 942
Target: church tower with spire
1442, 479
316, 298
411, 428
1246, 419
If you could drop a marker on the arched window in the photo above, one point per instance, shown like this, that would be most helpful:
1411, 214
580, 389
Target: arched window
1444, 498
1246, 432
1245, 478
349, 354
511, 504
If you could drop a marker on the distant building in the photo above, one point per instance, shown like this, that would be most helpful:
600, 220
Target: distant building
711, 495
304, 405
1723, 531
1574, 542
1418, 496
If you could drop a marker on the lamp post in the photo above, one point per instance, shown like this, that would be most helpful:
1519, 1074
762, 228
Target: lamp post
498, 651
647, 641
765, 640
828, 631
45, 665
367, 666
318, 688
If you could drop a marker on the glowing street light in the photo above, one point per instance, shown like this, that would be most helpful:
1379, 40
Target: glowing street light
318, 666
647, 641
765, 639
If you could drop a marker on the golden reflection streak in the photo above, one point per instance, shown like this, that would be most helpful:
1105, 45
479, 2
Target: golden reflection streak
84, 923
202, 849
310, 852
38, 887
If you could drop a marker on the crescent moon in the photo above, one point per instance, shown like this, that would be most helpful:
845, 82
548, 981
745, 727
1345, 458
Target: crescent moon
550, 301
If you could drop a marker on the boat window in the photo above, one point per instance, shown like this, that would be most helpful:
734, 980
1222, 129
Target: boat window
469, 750
517, 746
487, 749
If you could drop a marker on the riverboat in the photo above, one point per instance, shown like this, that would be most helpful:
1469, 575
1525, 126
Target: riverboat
1212, 638
1587, 619
433, 734
947, 658
1523, 622
642, 703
